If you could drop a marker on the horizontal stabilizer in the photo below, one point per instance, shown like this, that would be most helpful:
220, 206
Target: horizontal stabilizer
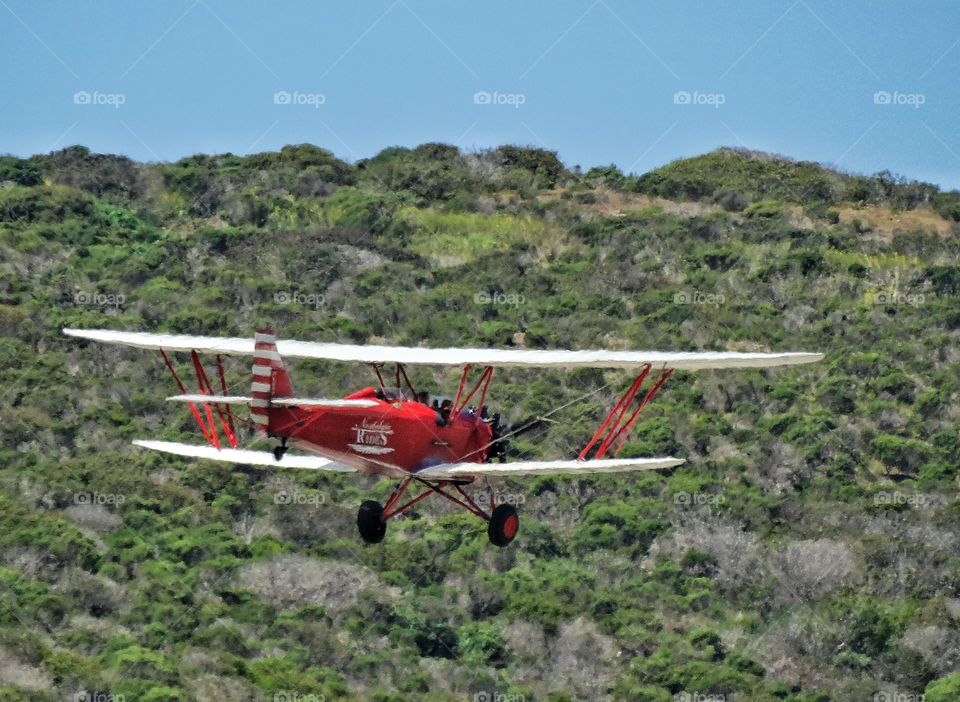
211, 399
244, 456
278, 401
302, 402
604, 465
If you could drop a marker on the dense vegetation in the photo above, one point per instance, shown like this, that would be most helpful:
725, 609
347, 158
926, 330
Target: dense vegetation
808, 551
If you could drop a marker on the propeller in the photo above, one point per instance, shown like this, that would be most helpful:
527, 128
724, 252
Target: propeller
502, 433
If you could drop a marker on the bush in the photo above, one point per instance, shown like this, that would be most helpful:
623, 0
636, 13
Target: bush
481, 644
945, 689
898, 452
44, 203
544, 165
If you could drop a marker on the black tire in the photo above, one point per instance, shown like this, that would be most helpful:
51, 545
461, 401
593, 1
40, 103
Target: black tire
278, 452
503, 526
370, 522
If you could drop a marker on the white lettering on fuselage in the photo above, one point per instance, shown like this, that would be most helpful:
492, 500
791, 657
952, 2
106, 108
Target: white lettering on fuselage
372, 437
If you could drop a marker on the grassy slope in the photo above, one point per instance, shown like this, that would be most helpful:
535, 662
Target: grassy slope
807, 551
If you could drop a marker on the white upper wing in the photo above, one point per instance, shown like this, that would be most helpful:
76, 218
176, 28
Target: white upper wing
453, 357
603, 465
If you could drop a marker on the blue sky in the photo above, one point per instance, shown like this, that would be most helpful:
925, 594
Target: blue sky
866, 86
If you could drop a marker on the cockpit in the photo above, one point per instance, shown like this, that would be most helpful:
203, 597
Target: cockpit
442, 405
392, 395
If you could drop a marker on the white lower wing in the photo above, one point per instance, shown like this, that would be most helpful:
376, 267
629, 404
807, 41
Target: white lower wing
604, 465
244, 456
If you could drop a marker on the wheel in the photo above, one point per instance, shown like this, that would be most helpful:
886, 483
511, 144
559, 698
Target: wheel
370, 522
503, 526
278, 452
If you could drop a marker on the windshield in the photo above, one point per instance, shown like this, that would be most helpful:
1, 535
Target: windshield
394, 395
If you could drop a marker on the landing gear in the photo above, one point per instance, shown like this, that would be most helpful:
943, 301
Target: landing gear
503, 526
278, 451
370, 522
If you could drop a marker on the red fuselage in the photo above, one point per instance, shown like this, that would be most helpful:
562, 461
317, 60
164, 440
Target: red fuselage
391, 438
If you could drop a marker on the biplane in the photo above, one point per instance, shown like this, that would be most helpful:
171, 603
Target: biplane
437, 445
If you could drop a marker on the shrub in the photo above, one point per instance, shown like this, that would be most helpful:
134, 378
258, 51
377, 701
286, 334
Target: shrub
946, 689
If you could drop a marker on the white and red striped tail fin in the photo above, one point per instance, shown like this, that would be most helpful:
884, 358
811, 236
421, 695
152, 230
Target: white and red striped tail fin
270, 378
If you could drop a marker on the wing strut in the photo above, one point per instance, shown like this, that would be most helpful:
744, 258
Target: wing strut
618, 424
232, 431
401, 371
208, 427
482, 385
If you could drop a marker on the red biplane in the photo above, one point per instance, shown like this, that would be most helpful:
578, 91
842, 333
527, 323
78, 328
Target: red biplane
438, 444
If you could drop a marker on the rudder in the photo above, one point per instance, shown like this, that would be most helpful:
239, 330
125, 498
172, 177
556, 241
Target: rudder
270, 378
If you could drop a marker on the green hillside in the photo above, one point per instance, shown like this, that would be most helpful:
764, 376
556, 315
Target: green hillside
808, 551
